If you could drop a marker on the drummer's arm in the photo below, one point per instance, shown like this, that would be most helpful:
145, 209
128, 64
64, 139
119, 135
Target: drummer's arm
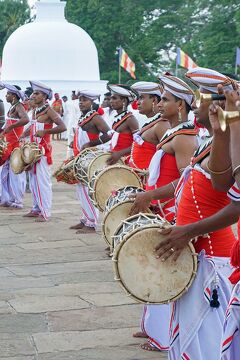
56, 119
177, 237
103, 130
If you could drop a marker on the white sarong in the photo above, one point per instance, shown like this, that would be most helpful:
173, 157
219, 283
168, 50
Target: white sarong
231, 328
13, 186
196, 327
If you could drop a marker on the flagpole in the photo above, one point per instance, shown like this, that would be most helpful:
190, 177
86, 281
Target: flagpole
236, 65
177, 61
119, 72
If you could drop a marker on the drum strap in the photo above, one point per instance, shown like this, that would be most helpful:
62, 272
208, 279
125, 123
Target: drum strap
83, 120
120, 118
202, 152
151, 123
186, 128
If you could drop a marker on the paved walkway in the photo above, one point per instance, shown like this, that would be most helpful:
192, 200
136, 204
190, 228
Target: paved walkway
58, 300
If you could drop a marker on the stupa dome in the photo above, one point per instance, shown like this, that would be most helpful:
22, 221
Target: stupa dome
50, 48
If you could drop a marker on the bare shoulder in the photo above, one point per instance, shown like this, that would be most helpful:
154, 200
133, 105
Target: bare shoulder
184, 140
162, 124
97, 118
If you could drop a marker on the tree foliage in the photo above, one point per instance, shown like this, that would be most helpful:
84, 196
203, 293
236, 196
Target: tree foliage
13, 13
150, 32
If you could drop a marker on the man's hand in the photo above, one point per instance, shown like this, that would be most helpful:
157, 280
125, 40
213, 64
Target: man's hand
232, 99
213, 118
141, 203
40, 133
176, 239
115, 156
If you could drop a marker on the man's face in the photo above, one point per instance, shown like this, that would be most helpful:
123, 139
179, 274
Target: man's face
201, 112
31, 103
168, 106
106, 102
145, 104
9, 97
64, 99
38, 97
56, 96
85, 104
117, 102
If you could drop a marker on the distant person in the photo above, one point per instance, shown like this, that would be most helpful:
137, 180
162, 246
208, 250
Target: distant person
58, 107
44, 117
13, 185
67, 114
73, 121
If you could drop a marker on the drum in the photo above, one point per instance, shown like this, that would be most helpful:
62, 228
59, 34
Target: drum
16, 161
117, 209
65, 173
3, 146
108, 180
88, 162
143, 277
31, 152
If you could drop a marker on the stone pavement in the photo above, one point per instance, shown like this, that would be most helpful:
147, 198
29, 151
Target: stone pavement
58, 299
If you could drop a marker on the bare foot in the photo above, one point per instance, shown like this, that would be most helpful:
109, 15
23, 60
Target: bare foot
149, 347
78, 226
140, 334
40, 218
31, 214
86, 230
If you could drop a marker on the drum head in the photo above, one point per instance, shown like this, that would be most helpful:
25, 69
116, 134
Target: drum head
111, 179
147, 279
99, 163
16, 161
113, 219
27, 154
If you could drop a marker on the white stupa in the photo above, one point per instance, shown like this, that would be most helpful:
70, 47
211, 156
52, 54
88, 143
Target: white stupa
53, 51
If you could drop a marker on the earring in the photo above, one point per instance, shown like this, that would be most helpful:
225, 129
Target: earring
179, 115
153, 108
124, 107
91, 107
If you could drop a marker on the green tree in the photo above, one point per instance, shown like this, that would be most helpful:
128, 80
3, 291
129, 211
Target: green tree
13, 13
150, 32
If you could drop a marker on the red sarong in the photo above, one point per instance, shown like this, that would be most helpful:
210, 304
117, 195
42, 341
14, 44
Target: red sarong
124, 141
142, 154
169, 172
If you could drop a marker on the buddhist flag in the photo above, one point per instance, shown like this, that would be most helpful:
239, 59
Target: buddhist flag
126, 62
184, 60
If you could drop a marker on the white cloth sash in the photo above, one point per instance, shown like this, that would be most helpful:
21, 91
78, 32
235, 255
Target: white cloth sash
114, 139
82, 137
155, 167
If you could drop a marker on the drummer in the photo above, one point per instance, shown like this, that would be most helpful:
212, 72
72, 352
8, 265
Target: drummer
145, 140
40, 132
92, 130
124, 124
13, 185
174, 153
198, 332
